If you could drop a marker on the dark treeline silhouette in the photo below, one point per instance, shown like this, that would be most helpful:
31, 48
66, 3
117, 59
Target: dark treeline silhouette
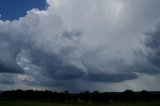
84, 97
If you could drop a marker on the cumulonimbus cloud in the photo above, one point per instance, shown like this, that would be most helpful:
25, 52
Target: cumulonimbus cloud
60, 44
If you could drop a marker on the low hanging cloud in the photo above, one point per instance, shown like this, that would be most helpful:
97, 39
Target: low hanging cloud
65, 45
152, 43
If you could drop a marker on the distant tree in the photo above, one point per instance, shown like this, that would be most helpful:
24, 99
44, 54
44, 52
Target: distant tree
82, 97
129, 95
85, 96
95, 97
145, 95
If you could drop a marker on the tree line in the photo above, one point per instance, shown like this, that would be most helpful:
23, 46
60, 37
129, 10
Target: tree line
82, 97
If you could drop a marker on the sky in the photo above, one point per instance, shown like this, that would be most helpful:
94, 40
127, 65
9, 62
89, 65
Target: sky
75, 45
13, 9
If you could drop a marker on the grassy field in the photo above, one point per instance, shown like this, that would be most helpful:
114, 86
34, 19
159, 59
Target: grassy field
31, 103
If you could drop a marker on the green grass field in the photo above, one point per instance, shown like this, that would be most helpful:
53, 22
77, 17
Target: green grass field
31, 103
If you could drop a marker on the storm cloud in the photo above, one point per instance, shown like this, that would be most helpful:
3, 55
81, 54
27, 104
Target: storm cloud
74, 43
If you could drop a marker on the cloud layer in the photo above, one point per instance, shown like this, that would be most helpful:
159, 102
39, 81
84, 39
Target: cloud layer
74, 43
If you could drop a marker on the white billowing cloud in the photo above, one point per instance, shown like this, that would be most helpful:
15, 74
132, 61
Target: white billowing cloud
56, 3
85, 40
110, 31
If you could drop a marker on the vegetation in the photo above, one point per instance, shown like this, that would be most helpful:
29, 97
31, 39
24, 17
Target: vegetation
85, 98
36, 103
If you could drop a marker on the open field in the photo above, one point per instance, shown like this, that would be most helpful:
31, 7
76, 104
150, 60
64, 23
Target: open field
34, 103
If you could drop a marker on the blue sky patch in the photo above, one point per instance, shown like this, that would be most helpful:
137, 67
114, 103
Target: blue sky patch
13, 9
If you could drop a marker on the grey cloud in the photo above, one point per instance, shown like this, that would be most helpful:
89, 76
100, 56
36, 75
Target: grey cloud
118, 77
54, 66
7, 78
8, 55
8, 69
152, 38
20, 53
71, 35
152, 43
